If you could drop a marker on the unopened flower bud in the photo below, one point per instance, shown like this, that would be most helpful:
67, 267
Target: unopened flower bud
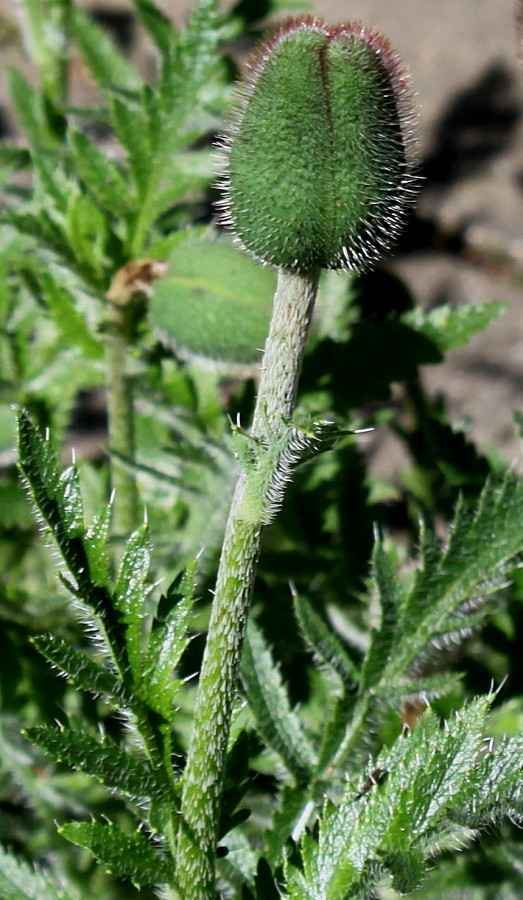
318, 161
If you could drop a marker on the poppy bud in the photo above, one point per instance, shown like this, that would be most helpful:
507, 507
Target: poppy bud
318, 162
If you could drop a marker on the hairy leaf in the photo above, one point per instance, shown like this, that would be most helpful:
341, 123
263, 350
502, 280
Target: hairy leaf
100, 175
81, 671
128, 855
108, 65
130, 594
451, 586
110, 764
406, 810
277, 723
324, 643
19, 881
167, 642
451, 327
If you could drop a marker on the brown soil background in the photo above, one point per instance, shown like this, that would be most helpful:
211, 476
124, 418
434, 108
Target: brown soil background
463, 58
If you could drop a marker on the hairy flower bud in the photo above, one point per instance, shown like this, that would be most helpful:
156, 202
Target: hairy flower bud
318, 160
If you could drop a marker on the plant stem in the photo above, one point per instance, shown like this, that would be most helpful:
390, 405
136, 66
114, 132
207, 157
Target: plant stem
120, 414
203, 778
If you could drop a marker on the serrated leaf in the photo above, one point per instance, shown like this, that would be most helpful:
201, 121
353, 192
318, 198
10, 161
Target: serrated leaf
451, 327
113, 766
28, 107
291, 805
213, 302
39, 466
402, 814
108, 65
40, 226
130, 593
470, 567
87, 232
100, 175
167, 642
95, 542
277, 723
127, 855
236, 782
130, 123
14, 157
19, 881
324, 643
157, 24
382, 638
68, 319
81, 671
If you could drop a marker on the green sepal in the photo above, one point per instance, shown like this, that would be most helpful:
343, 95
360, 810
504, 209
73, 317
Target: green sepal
123, 855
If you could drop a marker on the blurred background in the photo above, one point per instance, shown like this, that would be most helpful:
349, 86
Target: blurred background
465, 243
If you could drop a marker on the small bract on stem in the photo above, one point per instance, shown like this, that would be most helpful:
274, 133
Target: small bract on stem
317, 174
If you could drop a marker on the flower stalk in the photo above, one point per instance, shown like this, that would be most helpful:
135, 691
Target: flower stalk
203, 778
120, 412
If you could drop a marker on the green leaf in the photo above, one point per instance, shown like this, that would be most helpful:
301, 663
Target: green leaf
382, 638
466, 571
324, 643
69, 320
451, 327
19, 881
213, 302
49, 236
95, 542
279, 726
100, 175
45, 36
158, 25
58, 501
236, 782
87, 233
130, 593
81, 671
127, 855
108, 65
113, 766
167, 642
292, 803
14, 157
178, 97
29, 109
131, 125
398, 819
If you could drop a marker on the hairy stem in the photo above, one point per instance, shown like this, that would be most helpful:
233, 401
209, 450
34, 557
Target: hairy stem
120, 414
203, 779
